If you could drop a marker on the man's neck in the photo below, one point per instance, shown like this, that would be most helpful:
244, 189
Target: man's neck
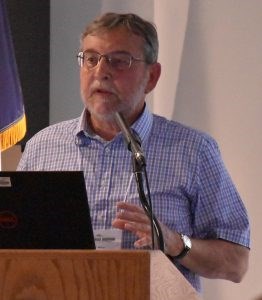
105, 129
108, 128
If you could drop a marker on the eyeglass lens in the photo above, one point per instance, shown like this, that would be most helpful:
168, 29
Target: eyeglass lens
119, 61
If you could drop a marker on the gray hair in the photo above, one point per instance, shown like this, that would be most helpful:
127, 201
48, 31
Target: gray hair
134, 24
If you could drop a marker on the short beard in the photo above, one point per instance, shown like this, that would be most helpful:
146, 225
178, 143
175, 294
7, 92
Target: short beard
126, 108
109, 115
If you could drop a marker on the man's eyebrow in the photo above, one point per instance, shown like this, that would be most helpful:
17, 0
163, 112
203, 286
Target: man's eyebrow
112, 52
90, 50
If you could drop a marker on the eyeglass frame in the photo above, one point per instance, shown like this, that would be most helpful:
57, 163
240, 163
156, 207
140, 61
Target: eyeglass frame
80, 58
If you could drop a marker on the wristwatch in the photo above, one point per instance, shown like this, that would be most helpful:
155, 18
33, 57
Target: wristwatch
187, 246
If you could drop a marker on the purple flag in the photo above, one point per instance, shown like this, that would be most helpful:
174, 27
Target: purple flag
12, 115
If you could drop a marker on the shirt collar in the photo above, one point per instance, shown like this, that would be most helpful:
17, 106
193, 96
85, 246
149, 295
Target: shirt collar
142, 126
83, 125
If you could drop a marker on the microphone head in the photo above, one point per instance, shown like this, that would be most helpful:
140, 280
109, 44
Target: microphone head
132, 139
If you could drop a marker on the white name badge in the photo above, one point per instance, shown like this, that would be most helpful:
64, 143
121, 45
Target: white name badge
108, 238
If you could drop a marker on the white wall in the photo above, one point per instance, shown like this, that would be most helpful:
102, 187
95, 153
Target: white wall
211, 51
219, 91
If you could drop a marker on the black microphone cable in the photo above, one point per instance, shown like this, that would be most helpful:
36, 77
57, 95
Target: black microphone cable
139, 168
147, 206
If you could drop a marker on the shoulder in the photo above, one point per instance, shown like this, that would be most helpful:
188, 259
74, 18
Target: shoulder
53, 137
61, 130
173, 132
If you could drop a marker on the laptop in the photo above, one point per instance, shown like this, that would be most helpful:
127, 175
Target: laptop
44, 210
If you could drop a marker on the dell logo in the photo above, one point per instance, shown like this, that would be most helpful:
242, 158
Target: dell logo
8, 220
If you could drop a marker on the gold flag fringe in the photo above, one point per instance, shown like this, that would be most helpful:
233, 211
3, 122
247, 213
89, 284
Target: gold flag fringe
13, 134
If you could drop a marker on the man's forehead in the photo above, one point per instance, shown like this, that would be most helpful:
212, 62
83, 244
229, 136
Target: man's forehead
113, 37
120, 30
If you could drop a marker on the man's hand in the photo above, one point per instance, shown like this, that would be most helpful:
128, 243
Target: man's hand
132, 217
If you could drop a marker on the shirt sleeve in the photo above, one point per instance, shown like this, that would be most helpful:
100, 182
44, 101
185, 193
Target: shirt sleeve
218, 209
22, 163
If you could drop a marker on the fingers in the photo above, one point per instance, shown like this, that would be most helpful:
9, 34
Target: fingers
132, 213
130, 207
132, 217
144, 235
119, 224
140, 230
132, 224
143, 242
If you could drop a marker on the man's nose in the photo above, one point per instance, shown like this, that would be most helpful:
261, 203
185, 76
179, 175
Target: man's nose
103, 67
103, 60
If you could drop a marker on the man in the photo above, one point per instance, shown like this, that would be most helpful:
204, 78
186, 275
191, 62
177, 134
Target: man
203, 220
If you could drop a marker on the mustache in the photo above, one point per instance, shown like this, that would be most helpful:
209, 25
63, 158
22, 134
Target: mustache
102, 87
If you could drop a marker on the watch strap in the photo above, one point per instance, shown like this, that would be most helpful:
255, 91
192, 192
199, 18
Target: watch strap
186, 249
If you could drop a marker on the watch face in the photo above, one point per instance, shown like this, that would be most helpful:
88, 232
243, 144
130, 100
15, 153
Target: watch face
187, 241
187, 246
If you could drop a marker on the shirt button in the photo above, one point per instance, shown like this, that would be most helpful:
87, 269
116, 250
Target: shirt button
100, 216
103, 183
107, 150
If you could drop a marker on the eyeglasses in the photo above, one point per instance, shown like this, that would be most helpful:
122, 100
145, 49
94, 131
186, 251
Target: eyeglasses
119, 61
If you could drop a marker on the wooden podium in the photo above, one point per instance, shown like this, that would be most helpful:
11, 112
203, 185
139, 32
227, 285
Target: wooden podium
90, 274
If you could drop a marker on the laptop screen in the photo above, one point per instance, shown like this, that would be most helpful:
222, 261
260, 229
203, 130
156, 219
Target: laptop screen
44, 210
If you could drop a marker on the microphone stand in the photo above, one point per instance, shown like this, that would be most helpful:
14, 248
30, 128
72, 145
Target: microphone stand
146, 203
139, 169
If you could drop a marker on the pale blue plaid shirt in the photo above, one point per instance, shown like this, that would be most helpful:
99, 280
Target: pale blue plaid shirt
190, 188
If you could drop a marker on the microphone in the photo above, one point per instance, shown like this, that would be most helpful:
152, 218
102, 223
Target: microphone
132, 141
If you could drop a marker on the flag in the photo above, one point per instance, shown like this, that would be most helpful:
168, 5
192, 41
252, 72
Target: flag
12, 114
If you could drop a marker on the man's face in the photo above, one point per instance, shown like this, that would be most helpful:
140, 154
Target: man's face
105, 90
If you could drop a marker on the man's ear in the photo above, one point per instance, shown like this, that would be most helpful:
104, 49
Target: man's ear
154, 74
